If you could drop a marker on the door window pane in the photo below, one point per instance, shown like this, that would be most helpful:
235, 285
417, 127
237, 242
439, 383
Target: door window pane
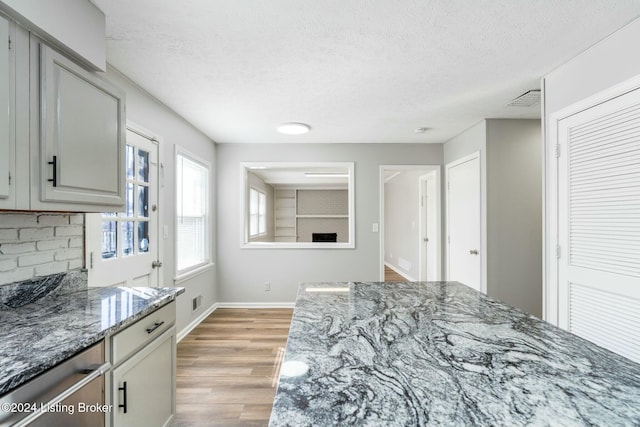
143, 202
129, 161
109, 239
128, 211
127, 238
143, 236
143, 166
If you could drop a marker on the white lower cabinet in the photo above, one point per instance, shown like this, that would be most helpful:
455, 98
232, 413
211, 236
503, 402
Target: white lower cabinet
143, 382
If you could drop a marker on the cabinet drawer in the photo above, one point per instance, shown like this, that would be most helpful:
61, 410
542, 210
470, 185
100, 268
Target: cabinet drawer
142, 332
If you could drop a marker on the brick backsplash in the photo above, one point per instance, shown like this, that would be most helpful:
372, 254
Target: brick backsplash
39, 244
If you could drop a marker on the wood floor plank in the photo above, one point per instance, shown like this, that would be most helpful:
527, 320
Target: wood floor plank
227, 368
390, 275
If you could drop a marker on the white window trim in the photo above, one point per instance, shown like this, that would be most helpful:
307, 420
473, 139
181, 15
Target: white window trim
194, 270
246, 243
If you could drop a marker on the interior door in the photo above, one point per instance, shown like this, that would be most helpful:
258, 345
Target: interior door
122, 248
429, 222
463, 222
599, 224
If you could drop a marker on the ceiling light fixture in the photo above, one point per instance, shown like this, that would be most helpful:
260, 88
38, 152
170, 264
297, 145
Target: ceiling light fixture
293, 128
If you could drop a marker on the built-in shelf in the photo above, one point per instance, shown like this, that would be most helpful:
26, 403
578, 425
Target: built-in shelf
285, 217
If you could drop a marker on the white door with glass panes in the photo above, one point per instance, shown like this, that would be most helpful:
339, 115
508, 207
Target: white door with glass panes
122, 248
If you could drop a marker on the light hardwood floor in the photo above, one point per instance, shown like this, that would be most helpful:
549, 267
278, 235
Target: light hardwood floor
228, 368
391, 275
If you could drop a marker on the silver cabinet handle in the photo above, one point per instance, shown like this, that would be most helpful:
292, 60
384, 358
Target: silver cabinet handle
473, 252
92, 375
156, 264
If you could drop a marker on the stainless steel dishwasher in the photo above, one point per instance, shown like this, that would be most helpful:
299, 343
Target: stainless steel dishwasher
71, 394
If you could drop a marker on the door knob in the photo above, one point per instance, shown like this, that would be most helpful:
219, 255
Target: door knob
425, 239
156, 264
473, 252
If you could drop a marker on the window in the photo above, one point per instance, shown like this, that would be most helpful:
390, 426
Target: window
257, 213
192, 212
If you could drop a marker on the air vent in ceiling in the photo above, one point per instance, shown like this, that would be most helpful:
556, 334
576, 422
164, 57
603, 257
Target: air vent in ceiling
527, 99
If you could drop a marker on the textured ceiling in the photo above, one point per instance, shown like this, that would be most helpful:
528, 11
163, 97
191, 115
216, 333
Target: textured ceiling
357, 70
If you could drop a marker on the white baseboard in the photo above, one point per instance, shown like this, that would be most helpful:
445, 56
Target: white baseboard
191, 326
399, 271
256, 304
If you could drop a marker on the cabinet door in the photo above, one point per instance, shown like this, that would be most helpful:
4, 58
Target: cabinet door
149, 380
5, 110
81, 135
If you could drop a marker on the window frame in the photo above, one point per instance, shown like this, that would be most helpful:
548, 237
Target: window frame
207, 263
251, 243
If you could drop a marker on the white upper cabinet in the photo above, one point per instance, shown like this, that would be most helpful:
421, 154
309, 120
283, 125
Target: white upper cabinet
81, 118
62, 143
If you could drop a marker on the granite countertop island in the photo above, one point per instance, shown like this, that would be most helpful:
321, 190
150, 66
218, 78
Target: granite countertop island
47, 321
440, 353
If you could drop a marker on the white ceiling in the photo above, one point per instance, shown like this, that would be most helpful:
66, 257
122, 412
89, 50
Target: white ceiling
357, 70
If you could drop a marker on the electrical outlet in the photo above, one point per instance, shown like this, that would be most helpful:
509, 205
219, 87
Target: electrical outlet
267, 286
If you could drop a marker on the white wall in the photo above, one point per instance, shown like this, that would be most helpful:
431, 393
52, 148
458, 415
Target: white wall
608, 63
242, 272
146, 111
402, 223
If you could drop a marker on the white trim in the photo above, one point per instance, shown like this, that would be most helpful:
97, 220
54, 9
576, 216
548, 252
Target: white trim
483, 213
246, 243
545, 203
178, 150
256, 304
422, 224
191, 326
400, 272
192, 273
551, 232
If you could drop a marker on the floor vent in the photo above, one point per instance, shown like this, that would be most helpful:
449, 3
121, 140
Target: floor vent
196, 303
527, 99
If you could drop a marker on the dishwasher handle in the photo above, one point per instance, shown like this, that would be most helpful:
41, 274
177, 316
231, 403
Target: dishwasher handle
92, 375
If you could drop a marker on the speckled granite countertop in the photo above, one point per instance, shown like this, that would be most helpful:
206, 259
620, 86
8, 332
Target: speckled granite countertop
41, 325
421, 354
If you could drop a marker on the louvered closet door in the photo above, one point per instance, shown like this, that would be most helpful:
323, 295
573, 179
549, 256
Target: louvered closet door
599, 224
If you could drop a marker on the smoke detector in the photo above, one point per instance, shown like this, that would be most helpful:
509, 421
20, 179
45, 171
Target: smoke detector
527, 99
